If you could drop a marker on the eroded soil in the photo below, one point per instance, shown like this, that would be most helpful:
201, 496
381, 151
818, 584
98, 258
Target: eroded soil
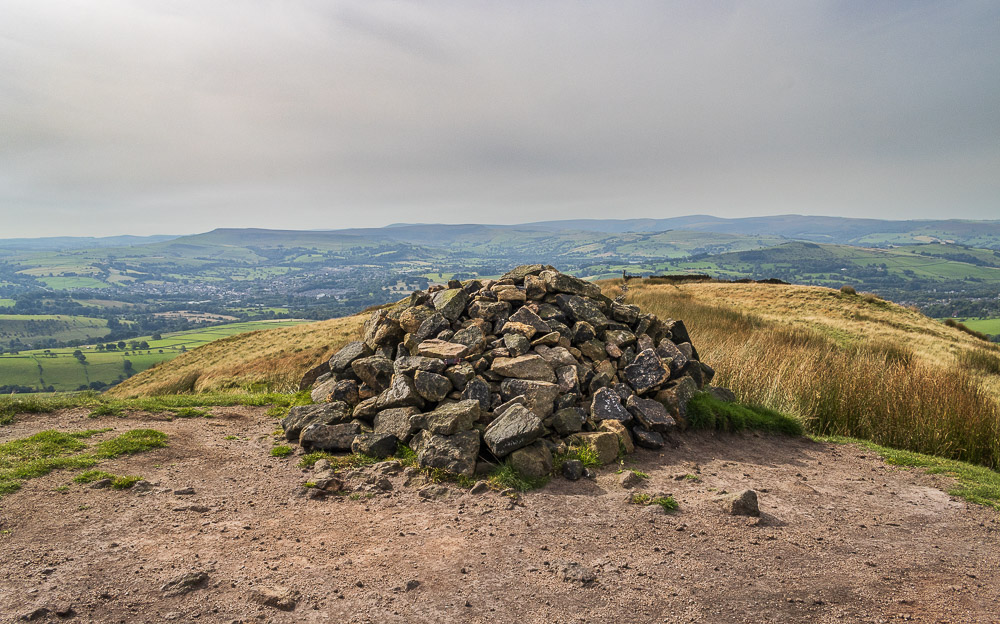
843, 538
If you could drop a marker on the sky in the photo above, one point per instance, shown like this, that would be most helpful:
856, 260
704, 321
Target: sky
170, 116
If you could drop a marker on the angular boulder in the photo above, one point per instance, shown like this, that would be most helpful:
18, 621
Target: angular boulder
516, 428
607, 405
302, 416
330, 438
455, 453
401, 422
646, 372
531, 367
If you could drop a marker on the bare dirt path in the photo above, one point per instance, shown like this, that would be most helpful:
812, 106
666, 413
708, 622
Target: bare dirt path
843, 538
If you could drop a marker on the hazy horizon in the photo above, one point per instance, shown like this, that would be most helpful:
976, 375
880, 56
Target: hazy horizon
145, 117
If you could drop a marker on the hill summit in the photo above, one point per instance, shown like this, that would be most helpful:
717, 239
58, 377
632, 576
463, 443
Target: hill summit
518, 368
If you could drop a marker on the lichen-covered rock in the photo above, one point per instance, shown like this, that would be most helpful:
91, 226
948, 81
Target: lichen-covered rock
347, 354
620, 430
376, 371
562, 283
431, 386
531, 367
540, 396
455, 453
567, 421
330, 438
607, 405
450, 418
401, 422
646, 372
380, 445
302, 416
450, 303
401, 393
479, 391
604, 443
516, 428
651, 414
534, 461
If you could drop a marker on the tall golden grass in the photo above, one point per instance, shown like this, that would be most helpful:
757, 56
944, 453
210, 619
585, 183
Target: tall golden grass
872, 387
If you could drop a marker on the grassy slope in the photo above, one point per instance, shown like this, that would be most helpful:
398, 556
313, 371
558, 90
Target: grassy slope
27, 327
274, 358
62, 371
844, 364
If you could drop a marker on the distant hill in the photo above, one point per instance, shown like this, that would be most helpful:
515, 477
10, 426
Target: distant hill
64, 243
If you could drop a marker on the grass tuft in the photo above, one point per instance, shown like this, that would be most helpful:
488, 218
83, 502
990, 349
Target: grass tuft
507, 477
641, 498
706, 412
130, 442
281, 451
117, 482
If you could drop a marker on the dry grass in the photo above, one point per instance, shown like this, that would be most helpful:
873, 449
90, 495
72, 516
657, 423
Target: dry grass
272, 360
843, 364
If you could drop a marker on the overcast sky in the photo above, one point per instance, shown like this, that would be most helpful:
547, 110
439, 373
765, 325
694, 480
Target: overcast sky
143, 116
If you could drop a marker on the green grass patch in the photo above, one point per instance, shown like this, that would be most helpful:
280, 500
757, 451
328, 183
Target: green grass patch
585, 454
976, 484
101, 405
641, 498
118, 482
338, 462
706, 412
507, 477
281, 451
45, 451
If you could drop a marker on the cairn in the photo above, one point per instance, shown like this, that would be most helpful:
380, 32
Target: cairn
512, 369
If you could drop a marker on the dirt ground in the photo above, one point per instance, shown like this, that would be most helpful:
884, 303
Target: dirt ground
843, 538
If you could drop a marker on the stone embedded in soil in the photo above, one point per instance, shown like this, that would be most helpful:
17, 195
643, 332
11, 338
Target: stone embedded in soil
184, 583
572, 571
302, 416
331, 438
744, 504
516, 428
280, 598
572, 469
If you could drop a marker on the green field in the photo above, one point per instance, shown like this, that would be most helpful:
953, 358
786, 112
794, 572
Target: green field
7, 303
64, 372
986, 325
61, 327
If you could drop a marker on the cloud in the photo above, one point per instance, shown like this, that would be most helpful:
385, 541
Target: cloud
152, 116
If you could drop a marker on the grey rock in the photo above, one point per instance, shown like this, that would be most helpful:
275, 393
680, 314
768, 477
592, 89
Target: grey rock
379, 330
580, 309
380, 445
650, 414
516, 428
516, 344
568, 379
669, 351
607, 405
627, 314
583, 332
534, 461
321, 391
629, 480
478, 390
431, 386
450, 303
539, 396
401, 422
366, 410
531, 367
345, 391
647, 439
302, 416
518, 273
347, 354
503, 407
401, 393
313, 374
455, 453
745, 504
526, 315
646, 372
450, 418
480, 487
376, 371
432, 326
460, 374
330, 438
572, 469
412, 363
721, 394
471, 337
562, 283
442, 349
489, 310
567, 421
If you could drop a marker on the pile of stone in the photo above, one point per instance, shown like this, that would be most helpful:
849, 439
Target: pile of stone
518, 368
